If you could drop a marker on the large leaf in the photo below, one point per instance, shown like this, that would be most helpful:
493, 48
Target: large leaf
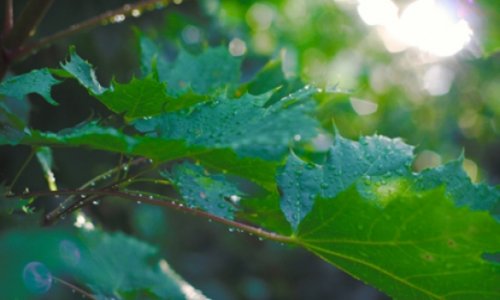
36, 81
109, 265
410, 244
243, 125
93, 136
414, 236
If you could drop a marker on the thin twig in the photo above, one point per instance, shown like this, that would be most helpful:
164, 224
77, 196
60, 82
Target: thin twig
75, 288
25, 26
149, 199
21, 170
109, 17
63, 207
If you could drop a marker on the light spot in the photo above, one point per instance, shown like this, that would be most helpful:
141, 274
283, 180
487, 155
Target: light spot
363, 107
437, 80
432, 27
118, 18
237, 47
191, 35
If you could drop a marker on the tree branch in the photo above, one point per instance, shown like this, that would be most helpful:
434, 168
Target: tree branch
26, 25
8, 18
109, 17
169, 203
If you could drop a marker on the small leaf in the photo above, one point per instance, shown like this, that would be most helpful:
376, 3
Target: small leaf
136, 99
148, 53
82, 71
199, 189
36, 81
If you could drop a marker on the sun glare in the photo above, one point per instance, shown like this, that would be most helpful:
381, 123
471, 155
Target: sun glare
423, 24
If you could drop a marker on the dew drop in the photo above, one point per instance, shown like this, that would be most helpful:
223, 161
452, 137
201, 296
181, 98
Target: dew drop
118, 18
136, 13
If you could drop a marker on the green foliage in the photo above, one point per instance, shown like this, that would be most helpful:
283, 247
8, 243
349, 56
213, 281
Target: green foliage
36, 81
109, 265
411, 245
358, 205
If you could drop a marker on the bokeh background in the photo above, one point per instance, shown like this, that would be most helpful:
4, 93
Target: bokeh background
427, 90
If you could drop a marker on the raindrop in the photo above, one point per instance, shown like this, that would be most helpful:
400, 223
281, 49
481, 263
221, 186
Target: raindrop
231, 229
139, 202
235, 199
136, 13
95, 202
118, 18
37, 277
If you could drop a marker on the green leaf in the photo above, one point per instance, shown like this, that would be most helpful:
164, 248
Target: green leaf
148, 52
109, 265
137, 99
242, 125
410, 244
346, 162
83, 72
460, 188
268, 78
212, 193
213, 70
11, 127
36, 81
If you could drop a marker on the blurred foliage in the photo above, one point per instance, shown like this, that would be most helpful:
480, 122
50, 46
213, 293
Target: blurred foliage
318, 41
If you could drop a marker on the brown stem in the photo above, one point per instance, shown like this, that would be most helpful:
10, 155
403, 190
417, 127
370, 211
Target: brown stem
75, 288
148, 199
26, 24
21, 30
67, 205
9, 17
109, 17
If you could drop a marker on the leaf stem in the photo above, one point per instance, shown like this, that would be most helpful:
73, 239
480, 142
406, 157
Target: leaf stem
170, 203
75, 288
66, 204
109, 17
21, 170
